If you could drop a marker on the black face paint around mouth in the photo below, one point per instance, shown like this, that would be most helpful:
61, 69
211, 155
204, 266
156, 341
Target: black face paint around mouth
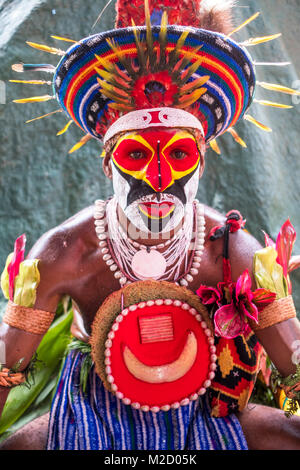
156, 225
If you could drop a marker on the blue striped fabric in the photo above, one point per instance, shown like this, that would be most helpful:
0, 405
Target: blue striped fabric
98, 420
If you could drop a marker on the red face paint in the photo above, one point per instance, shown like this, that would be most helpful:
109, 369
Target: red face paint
157, 157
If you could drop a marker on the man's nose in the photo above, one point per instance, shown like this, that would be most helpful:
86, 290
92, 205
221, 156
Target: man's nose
159, 173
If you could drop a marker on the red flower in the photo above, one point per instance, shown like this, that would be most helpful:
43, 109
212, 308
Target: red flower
262, 298
284, 245
157, 98
244, 297
229, 323
14, 265
231, 319
209, 295
268, 240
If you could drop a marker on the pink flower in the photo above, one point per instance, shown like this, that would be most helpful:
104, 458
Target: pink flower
231, 319
262, 298
284, 246
14, 265
229, 323
208, 295
268, 240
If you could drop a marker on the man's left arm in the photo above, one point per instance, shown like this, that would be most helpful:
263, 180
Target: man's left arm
281, 340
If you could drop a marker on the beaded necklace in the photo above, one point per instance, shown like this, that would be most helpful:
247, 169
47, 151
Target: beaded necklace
131, 261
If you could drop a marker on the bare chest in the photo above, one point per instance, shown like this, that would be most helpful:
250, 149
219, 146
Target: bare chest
96, 281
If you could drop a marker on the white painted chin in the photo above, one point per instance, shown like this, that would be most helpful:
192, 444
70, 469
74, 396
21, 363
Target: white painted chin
133, 214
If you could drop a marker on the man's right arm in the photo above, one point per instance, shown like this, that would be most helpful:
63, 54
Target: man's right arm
22, 329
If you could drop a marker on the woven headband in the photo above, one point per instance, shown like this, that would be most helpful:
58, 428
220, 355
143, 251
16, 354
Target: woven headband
156, 117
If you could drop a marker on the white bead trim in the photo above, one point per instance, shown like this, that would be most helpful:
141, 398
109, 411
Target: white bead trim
109, 342
100, 228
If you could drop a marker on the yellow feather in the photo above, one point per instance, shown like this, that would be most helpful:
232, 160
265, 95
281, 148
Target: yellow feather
112, 88
43, 47
105, 63
149, 36
121, 56
139, 46
279, 88
163, 27
253, 17
190, 71
188, 87
63, 39
79, 144
65, 128
34, 99
251, 119
44, 115
271, 103
254, 41
32, 82
104, 74
236, 137
103, 153
188, 100
121, 107
214, 145
112, 94
174, 54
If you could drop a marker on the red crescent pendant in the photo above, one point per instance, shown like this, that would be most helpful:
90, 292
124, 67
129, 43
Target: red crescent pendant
148, 265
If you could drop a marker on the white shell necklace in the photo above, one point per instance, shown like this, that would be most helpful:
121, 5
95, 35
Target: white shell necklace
131, 261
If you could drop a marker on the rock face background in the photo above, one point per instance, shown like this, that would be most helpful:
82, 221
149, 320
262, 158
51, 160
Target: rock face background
41, 185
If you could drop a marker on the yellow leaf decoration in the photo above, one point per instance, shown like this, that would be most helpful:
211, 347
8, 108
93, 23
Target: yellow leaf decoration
268, 273
26, 283
214, 145
253, 17
4, 277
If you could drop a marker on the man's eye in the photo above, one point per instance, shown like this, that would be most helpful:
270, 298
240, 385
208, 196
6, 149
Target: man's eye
178, 154
137, 155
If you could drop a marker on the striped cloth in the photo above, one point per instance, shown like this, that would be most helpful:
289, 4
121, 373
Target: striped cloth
97, 420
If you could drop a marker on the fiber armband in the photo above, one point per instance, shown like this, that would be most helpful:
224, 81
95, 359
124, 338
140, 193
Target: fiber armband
28, 319
277, 312
11, 379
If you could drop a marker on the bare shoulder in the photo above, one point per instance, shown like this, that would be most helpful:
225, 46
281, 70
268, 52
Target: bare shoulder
242, 245
62, 252
74, 234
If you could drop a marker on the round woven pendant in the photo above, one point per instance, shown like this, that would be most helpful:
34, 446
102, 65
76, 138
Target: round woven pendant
148, 265
158, 353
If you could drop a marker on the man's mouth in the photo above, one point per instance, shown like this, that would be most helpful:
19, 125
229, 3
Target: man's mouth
155, 210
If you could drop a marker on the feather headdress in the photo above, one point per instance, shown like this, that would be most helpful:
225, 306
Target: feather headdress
167, 63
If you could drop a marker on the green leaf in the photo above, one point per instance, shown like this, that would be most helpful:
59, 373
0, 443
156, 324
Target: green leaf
26, 283
50, 354
5, 278
40, 406
268, 273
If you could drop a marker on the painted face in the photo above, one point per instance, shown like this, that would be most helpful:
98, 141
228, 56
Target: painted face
155, 177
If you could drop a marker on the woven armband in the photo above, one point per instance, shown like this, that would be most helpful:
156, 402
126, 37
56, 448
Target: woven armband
277, 312
11, 379
28, 319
